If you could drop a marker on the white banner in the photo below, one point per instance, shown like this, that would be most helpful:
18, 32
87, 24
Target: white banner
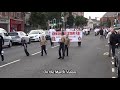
74, 36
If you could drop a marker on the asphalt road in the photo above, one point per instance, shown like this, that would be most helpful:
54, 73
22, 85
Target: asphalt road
88, 61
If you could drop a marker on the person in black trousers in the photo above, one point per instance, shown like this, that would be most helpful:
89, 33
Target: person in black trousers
1, 48
113, 42
101, 32
67, 44
62, 47
52, 44
24, 44
43, 42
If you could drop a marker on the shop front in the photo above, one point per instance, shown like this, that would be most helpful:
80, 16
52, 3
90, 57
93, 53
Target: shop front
17, 25
4, 23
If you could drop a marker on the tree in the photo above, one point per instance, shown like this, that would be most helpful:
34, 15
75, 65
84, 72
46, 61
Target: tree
38, 19
52, 15
41, 18
80, 21
70, 20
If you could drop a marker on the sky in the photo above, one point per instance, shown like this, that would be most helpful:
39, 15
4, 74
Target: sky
94, 14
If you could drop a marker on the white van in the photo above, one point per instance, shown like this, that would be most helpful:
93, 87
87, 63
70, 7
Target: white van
7, 39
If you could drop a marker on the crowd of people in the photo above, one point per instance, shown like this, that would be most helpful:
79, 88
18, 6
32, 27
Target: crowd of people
112, 36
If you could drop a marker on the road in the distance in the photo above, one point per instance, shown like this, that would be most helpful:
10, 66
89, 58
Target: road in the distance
87, 61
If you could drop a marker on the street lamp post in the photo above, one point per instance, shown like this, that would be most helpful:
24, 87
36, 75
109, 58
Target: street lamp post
63, 19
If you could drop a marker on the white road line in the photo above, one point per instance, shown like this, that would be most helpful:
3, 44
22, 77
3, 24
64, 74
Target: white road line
20, 59
10, 63
106, 53
40, 51
55, 46
36, 53
112, 63
106, 45
113, 69
113, 77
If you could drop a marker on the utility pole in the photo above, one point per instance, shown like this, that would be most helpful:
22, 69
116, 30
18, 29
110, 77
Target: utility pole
63, 19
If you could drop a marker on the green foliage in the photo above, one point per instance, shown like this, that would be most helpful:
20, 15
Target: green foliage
70, 20
41, 19
38, 18
80, 21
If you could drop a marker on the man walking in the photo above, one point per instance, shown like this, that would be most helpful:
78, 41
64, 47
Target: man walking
101, 32
50, 33
67, 44
43, 42
110, 47
113, 42
62, 46
24, 44
1, 48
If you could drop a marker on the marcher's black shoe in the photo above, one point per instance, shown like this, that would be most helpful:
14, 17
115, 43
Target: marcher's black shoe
62, 57
2, 57
41, 55
59, 58
109, 55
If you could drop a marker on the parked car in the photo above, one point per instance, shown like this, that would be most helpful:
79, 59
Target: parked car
18, 35
35, 35
6, 37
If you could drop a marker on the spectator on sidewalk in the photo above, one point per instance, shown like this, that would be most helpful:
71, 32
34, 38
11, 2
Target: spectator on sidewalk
108, 37
113, 42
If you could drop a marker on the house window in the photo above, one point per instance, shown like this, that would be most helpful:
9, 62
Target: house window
7, 13
11, 14
18, 15
3, 13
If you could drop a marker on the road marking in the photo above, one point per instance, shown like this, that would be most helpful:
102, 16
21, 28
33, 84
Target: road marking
106, 45
36, 53
55, 46
40, 51
20, 59
106, 53
112, 63
113, 69
113, 77
10, 63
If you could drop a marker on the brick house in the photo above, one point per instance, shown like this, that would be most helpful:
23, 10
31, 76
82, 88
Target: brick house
112, 16
12, 20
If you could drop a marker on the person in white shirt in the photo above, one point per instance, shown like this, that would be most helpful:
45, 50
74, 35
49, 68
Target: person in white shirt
108, 37
50, 33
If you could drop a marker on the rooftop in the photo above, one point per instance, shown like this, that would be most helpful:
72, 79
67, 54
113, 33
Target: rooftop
110, 14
